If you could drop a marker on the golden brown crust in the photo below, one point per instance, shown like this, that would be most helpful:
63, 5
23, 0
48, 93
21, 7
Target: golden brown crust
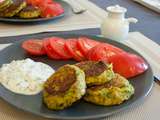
114, 92
5, 4
14, 8
61, 81
29, 9
92, 68
16, 3
73, 88
117, 81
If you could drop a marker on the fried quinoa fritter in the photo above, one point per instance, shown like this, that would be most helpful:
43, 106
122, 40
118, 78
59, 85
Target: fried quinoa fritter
113, 92
64, 87
30, 12
96, 73
14, 8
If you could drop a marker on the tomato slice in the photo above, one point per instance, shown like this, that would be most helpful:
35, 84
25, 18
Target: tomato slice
103, 51
48, 1
85, 44
51, 10
71, 47
39, 2
34, 2
57, 45
34, 47
50, 52
128, 65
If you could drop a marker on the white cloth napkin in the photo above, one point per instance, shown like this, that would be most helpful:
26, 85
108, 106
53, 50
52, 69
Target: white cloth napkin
152, 4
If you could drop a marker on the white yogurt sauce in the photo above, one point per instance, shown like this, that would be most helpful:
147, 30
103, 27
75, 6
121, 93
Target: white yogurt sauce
25, 76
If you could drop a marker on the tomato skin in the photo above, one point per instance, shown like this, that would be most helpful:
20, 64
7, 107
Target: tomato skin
71, 47
57, 45
39, 2
85, 44
51, 10
58, 8
34, 47
34, 2
51, 54
103, 51
128, 65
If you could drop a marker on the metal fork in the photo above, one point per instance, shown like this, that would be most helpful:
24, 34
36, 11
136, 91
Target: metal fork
157, 81
76, 8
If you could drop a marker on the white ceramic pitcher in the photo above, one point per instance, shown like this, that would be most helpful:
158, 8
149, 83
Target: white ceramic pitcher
116, 26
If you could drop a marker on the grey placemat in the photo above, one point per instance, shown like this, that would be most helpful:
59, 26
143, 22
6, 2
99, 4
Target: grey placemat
147, 109
11, 39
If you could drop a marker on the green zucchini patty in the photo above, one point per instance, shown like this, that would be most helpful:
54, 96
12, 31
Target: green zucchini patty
96, 73
64, 87
29, 12
14, 8
112, 93
5, 4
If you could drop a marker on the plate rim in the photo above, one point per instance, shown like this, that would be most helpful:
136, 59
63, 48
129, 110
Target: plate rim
91, 116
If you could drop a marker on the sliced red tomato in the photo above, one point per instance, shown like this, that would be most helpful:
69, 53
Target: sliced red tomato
85, 44
48, 1
34, 47
103, 51
128, 65
57, 45
39, 2
51, 10
71, 47
50, 52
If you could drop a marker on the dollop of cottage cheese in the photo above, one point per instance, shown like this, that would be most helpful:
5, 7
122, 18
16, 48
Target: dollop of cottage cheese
25, 76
